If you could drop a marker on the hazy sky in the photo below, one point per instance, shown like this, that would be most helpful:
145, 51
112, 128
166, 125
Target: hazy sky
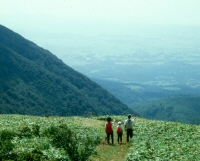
42, 20
58, 14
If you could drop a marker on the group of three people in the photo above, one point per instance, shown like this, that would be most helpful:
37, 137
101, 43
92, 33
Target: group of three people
128, 124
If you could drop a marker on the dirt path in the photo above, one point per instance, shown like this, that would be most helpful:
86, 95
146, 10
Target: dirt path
116, 152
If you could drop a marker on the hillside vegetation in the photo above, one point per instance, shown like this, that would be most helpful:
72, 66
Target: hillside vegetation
153, 102
24, 137
34, 81
180, 109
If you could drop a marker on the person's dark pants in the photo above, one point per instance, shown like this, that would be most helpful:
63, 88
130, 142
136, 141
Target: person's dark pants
129, 133
119, 138
108, 137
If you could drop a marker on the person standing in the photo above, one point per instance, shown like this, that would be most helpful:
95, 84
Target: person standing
109, 130
129, 127
119, 132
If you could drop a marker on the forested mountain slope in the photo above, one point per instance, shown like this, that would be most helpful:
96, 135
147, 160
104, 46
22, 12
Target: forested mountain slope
34, 81
178, 108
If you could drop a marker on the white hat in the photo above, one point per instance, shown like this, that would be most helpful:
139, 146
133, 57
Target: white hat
119, 123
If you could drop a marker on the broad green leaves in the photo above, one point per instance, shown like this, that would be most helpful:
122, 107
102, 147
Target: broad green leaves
159, 140
46, 138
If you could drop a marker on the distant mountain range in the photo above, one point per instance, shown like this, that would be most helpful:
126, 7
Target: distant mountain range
33, 81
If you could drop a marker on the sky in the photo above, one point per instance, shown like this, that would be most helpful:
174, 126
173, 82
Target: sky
54, 23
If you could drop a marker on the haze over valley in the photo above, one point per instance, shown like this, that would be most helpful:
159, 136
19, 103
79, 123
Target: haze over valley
165, 59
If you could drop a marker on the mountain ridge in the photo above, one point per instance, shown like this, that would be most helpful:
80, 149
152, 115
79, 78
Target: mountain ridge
34, 81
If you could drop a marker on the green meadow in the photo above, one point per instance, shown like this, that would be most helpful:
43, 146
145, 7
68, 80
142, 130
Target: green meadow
24, 137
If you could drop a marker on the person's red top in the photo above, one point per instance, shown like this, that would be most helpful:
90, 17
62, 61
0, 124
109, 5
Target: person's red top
109, 127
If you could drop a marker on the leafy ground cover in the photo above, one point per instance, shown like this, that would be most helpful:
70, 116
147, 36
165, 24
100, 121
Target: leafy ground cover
159, 140
44, 138
154, 140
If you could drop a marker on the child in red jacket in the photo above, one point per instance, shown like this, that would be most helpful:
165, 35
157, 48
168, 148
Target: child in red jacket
119, 132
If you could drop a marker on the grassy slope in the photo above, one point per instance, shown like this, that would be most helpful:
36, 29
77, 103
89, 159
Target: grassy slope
161, 140
152, 139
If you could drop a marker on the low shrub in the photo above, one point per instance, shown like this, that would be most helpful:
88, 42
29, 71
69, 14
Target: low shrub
78, 142
6, 146
25, 130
